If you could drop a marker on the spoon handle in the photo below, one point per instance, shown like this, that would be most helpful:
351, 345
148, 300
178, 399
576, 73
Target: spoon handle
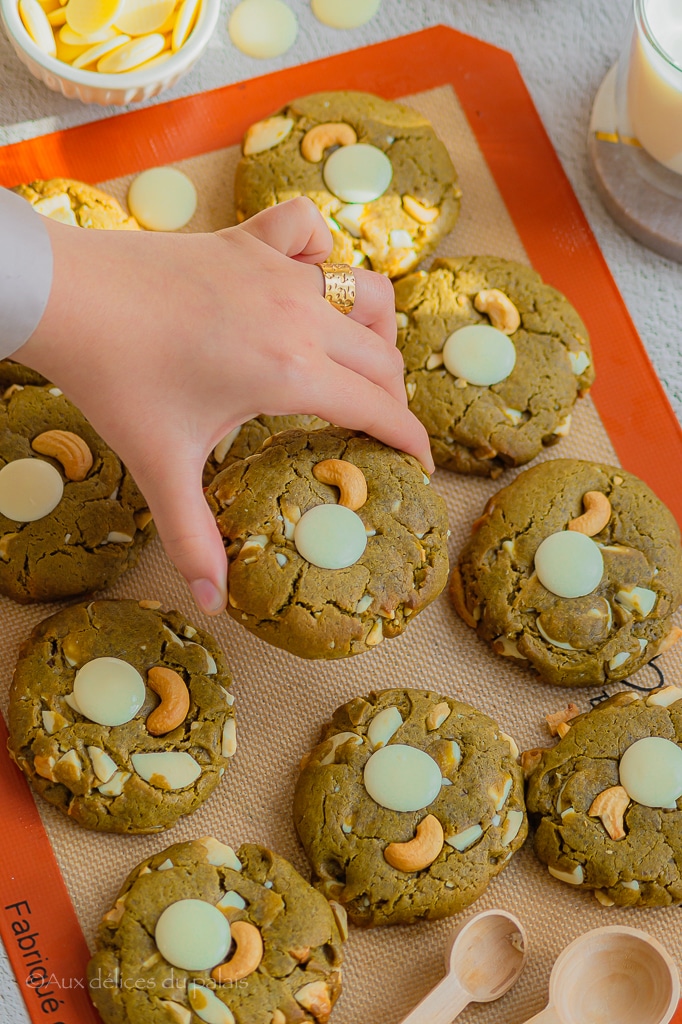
442, 1004
547, 1016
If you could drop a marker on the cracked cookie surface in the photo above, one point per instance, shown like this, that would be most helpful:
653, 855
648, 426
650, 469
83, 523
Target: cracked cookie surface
329, 613
85, 768
642, 868
361, 232
248, 438
98, 528
476, 429
297, 980
345, 832
603, 636
13, 373
74, 202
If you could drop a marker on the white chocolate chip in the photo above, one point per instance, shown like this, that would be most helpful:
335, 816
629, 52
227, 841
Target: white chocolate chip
109, 691
357, 258
434, 361
262, 136
479, 354
400, 239
463, 840
410, 389
281, 558
363, 604
579, 362
207, 1006
180, 1014
634, 884
511, 827
603, 898
222, 448
507, 648
376, 634
258, 541
29, 490
103, 766
437, 715
350, 218
574, 877
402, 778
500, 791
173, 637
55, 391
337, 741
357, 174
569, 564
71, 760
515, 415
383, 726
114, 787
619, 659
513, 746
639, 600
291, 516
167, 769
664, 698
53, 722
193, 935
57, 208
210, 667
564, 427
231, 900
651, 772
550, 640
115, 537
229, 738
402, 320
166, 865
330, 536
220, 855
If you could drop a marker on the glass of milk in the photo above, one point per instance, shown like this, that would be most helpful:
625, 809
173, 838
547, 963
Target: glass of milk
649, 89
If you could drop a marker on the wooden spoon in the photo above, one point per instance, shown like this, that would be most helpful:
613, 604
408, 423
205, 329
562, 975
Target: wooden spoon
614, 975
485, 957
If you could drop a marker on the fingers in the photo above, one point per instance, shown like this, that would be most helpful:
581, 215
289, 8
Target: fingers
361, 350
189, 532
375, 304
295, 228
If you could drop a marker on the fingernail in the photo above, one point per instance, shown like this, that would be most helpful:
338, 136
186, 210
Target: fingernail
207, 596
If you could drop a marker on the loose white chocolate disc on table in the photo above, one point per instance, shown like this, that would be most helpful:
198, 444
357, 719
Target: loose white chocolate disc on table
138, 17
131, 54
330, 536
193, 935
569, 564
402, 778
358, 173
479, 354
29, 489
87, 16
651, 772
109, 691
345, 13
162, 199
38, 27
262, 28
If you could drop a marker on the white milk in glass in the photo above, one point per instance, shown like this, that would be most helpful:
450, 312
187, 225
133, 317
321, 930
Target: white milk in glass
654, 83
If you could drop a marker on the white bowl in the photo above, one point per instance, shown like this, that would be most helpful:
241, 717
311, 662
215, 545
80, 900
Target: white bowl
92, 87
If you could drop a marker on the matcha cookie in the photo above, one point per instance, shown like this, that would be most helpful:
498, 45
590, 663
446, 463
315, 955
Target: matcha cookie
200, 933
607, 801
71, 517
335, 541
73, 202
16, 375
376, 170
247, 439
494, 361
409, 806
119, 715
575, 570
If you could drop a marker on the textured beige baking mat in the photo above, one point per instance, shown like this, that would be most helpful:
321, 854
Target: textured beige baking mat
281, 701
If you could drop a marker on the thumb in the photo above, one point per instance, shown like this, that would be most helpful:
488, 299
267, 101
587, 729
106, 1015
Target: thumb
295, 228
189, 532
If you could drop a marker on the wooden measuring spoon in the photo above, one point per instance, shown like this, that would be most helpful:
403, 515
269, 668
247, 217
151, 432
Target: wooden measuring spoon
614, 975
485, 957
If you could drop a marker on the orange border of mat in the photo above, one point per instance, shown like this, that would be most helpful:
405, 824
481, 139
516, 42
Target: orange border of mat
557, 238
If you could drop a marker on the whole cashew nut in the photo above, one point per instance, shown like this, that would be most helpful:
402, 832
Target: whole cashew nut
322, 136
419, 852
500, 309
610, 805
68, 448
174, 705
596, 515
247, 957
349, 479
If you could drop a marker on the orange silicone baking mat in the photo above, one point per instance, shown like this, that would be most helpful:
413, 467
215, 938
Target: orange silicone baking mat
517, 203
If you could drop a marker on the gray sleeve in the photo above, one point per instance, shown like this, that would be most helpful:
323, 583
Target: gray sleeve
25, 271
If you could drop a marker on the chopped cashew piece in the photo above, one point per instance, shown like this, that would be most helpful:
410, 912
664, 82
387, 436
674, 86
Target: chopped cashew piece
553, 721
610, 805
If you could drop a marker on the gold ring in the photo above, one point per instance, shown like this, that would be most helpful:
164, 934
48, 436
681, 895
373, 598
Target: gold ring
339, 286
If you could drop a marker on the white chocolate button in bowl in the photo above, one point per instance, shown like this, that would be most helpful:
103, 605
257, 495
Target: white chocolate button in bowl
330, 536
358, 173
262, 28
109, 691
193, 935
651, 772
29, 489
479, 354
162, 199
402, 778
569, 564
345, 13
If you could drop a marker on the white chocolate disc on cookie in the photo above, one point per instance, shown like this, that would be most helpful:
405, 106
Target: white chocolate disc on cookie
345, 13
262, 28
162, 199
358, 173
479, 354
569, 564
330, 536
193, 935
402, 778
29, 489
109, 691
651, 772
